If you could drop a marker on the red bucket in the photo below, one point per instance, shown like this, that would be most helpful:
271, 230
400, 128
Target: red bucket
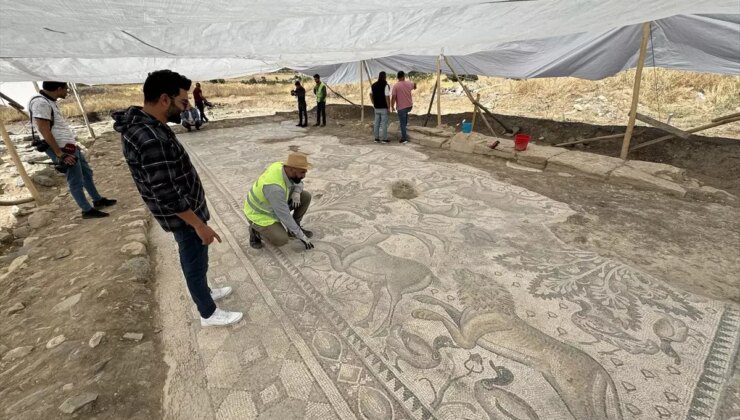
521, 141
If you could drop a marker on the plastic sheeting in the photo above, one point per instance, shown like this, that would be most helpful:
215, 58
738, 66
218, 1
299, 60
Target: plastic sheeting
120, 41
698, 43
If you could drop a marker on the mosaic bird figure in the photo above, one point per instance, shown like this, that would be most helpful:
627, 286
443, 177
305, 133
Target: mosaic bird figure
413, 350
672, 330
606, 331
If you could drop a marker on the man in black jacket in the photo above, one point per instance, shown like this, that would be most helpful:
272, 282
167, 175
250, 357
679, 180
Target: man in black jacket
380, 96
300, 93
170, 185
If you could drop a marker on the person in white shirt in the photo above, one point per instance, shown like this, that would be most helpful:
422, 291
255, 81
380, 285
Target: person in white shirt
61, 146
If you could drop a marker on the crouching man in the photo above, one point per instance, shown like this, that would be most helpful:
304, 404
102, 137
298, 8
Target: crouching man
277, 192
191, 118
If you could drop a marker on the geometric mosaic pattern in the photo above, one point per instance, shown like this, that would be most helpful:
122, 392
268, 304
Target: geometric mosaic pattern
457, 304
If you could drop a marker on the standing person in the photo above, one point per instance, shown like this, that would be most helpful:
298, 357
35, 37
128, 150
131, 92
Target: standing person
380, 96
200, 101
277, 192
61, 146
320, 91
191, 118
170, 186
300, 93
402, 101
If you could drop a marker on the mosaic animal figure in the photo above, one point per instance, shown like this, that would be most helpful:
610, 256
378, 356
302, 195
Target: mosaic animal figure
610, 332
668, 329
413, 350
489, 320
380, 271
499, 403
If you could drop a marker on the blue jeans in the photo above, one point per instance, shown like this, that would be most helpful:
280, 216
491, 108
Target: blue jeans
194, 263
79, 176
380, 128
403, 121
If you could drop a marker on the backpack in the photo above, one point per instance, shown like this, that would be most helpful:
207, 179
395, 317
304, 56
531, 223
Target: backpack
38, 143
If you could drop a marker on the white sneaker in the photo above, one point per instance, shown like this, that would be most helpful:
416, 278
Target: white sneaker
220, 293
221, 318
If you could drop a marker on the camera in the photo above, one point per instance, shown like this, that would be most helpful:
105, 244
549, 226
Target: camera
292, 93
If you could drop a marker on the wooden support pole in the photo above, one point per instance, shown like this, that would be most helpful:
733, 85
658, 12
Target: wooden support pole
362, 94
36, 86
82, 109
691, 130
438, 90
475, 110
470, 96
431, 102
367, 73
610, 136
337, 93
726, 117
663, 126
636, 90
18, 164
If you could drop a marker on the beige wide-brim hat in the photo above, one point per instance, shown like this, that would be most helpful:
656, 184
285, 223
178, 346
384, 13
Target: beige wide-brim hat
298, 160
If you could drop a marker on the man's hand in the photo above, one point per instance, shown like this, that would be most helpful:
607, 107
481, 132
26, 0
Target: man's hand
296, 198
307, 244
68, 159
206, 234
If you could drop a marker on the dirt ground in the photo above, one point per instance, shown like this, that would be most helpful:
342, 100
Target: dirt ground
692, 244
127, 375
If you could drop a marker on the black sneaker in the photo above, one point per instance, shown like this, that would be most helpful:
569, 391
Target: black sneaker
404, 141
104, 202
254, 239
377, 140
316, 125
386, 141
94, 214
323, 125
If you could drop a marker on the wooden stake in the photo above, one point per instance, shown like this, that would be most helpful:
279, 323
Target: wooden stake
438, 90
362, 95
82, 108
470, 96
36, 86
339, 95
726, 117
367, 73
691, 130
475, 110
610, 136
636, 90
431, 102
19, 165
663, 126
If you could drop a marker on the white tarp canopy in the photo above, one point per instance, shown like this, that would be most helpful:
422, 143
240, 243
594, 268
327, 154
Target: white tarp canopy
120, 41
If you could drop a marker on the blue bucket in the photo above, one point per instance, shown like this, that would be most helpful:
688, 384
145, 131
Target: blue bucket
467, 127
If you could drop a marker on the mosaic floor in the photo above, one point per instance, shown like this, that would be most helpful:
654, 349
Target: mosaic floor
457, 304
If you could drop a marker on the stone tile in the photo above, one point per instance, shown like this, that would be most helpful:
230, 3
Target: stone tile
223, 371
296, 379
319, 411
237, 406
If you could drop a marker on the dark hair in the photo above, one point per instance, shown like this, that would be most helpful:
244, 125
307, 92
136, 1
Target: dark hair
401, 74
316, 76
297, 82
164, 81
52, 86
381, 76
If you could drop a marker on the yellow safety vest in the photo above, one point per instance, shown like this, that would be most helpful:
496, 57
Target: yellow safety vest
256, 207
